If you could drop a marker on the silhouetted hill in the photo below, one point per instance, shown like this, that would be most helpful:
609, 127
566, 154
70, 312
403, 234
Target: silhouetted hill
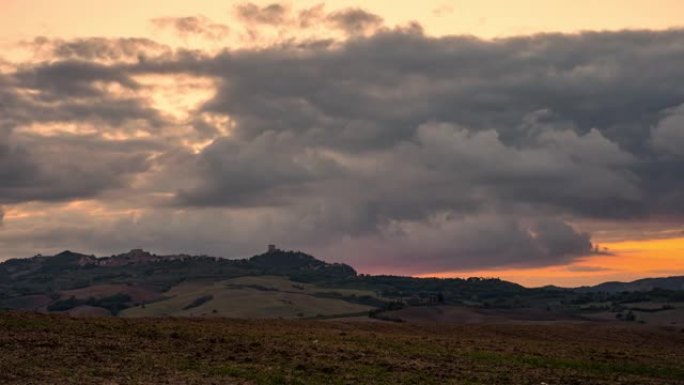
646, 284
286, 260
127, 279
299, 264
282, 283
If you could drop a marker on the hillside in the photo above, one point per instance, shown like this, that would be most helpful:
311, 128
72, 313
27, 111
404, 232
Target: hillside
293, 284
286, 284
75, 282
252, 297
646, 284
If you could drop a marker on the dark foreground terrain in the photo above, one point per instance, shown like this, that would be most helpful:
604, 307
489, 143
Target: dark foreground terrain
56, 349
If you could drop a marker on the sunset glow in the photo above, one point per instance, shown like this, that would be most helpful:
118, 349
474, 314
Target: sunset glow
628, 260
441, 138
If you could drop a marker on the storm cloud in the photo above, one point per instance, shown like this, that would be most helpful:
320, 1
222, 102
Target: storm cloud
98, 49
194, 25
390, 148
58, 169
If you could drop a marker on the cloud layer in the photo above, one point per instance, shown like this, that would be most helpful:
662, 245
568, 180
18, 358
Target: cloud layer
386, 148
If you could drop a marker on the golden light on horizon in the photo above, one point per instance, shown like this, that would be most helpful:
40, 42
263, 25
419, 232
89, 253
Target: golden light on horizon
628, 260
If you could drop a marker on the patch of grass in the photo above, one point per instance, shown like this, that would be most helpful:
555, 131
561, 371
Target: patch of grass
595, 367
20, 323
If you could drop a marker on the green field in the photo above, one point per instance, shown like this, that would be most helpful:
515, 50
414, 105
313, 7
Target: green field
253, 297
56, 349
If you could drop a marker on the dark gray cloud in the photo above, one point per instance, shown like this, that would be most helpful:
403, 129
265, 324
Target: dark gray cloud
65, 168
76, 91
446, 242
395, 81
585, 269
16, 165
72, 79
571, 96
254, 173
390, 149
351, 21
274, 13
194, 26
556, 238
37, 164
355, 21
100, 49
668, 135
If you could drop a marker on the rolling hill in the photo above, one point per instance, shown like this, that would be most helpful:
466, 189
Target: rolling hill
252, 297
646, 284
293, 284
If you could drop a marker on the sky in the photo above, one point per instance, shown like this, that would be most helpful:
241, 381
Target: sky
541, 142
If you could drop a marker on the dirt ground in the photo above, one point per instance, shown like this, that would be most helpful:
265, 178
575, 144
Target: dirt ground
57, 349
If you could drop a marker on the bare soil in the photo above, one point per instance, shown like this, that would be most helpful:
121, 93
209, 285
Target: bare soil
57, 349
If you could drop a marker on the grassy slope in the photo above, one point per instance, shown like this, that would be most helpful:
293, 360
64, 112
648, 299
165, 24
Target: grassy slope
137, 293
250, 297
35, 348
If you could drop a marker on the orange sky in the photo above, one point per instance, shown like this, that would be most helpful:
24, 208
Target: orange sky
485, 18
629, 259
